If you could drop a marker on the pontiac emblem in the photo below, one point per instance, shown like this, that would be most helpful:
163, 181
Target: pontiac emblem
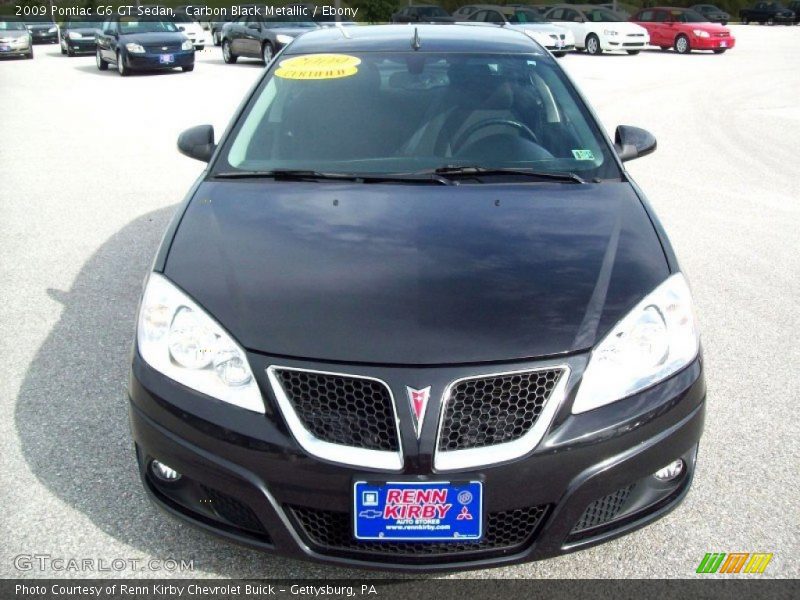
419, 402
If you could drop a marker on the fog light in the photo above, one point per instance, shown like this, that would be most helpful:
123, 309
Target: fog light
670, 472
164, 472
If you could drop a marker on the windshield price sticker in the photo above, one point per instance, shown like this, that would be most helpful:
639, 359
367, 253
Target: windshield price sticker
318, 66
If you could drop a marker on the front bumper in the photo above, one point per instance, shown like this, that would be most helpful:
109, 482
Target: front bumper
712, 43
245, 477
80, 46
44, 37
152, 62
624, 42
13, 48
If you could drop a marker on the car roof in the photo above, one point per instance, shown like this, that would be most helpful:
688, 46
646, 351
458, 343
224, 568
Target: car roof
450, 37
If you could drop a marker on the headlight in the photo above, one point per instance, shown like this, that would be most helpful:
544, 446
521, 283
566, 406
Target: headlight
134, 48
701, 33
187, 45
74, 35
52, 30
179, 339
653, 341
284, 39
610, 32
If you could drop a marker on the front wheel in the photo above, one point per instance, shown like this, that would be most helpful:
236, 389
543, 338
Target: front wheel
29, 55
682, 45
664, 48
63, 48
101, 64
770, 21
633, 52
227, 55
745, 21
188, 68
719, 50
559, 54
217, 39
199, 48
593, 44
122, 68
267, 53
723, 23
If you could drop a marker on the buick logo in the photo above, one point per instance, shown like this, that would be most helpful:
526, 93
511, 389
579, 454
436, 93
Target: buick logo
419, 402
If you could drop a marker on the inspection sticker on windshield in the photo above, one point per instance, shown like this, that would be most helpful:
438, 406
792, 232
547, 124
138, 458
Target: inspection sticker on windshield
318, 66
583, 154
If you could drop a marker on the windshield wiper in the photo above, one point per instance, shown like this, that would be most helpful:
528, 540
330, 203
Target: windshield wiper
476, 172
307, 175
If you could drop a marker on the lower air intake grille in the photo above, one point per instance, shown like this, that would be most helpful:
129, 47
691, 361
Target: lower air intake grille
485, 411
603, 510
233, 511
341, 409
504, 531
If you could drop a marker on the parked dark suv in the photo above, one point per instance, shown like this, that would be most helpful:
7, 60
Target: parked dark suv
415, 314
143, 45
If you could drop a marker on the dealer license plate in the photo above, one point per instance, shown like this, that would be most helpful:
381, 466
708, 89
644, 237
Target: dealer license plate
4, 47
723, 44
418, 511
166, 59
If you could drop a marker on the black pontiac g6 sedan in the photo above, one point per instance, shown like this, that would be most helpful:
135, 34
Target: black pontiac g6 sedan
415, 314
143, 45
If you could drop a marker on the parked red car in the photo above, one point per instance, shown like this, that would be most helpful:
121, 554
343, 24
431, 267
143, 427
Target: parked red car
683, 29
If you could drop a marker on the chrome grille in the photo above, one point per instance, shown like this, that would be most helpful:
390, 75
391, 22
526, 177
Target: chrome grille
496, 409
342, 409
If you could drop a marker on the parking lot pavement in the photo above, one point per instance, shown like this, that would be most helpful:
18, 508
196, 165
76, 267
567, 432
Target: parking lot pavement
89, 177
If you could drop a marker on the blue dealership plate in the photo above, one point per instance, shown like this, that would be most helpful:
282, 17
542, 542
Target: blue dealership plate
418, 511
166, 59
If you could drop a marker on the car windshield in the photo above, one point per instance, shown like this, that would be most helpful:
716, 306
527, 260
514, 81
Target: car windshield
412, 112
132, 27
431, 11
688, 16
11, 26
289, 22
525, 16
601, 15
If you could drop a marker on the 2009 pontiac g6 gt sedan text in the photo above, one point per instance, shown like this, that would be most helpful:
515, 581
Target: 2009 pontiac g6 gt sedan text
416, 315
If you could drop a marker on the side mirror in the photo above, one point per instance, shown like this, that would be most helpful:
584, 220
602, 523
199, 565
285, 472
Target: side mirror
633, 142
197, 142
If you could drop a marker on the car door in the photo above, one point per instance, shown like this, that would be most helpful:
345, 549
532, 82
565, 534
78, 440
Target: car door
107, 42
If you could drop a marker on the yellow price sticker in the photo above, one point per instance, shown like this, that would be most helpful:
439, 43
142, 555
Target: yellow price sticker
318, 66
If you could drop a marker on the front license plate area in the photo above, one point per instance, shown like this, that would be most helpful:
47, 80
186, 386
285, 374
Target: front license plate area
4, 47
432, 511
723, 44
166, 59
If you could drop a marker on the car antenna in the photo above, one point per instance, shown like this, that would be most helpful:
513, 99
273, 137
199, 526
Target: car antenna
415, 44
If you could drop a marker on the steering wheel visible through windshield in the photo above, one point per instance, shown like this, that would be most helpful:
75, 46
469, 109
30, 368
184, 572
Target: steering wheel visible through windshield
376, 112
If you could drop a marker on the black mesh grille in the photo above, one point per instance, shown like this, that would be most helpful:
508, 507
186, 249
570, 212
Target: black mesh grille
493, 410
343, 410
233, 511
603, 509
162, 47
504, 531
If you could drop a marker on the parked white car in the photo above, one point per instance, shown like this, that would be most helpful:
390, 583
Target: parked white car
597, 29
193, 30
559, 40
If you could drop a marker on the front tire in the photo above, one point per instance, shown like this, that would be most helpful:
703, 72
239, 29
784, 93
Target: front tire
745, 21
188, 69
199, 48
593, 45
63, 48
267, 52
770, 21
122, 69
217, 38
723, 23
664, 48
227, 54
682, 45
29, 55
719, 50
559, 54
101, 64
633, 52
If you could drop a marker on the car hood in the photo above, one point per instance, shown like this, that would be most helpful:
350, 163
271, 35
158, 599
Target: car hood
40, 26
537, 27
399, 274
709, 27
13, 34
623, 27
156, 37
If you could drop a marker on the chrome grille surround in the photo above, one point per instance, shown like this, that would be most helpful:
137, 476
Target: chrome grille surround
334, 452
451, 460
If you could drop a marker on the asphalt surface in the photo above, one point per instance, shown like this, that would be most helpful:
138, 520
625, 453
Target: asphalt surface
89, 177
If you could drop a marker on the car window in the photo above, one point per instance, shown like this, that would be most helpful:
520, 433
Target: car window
659, 16
129, 26
525, 16
557, 14
478, 16
645, 16
601, 15
11, 25
492, 16
687, 16
409, 112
